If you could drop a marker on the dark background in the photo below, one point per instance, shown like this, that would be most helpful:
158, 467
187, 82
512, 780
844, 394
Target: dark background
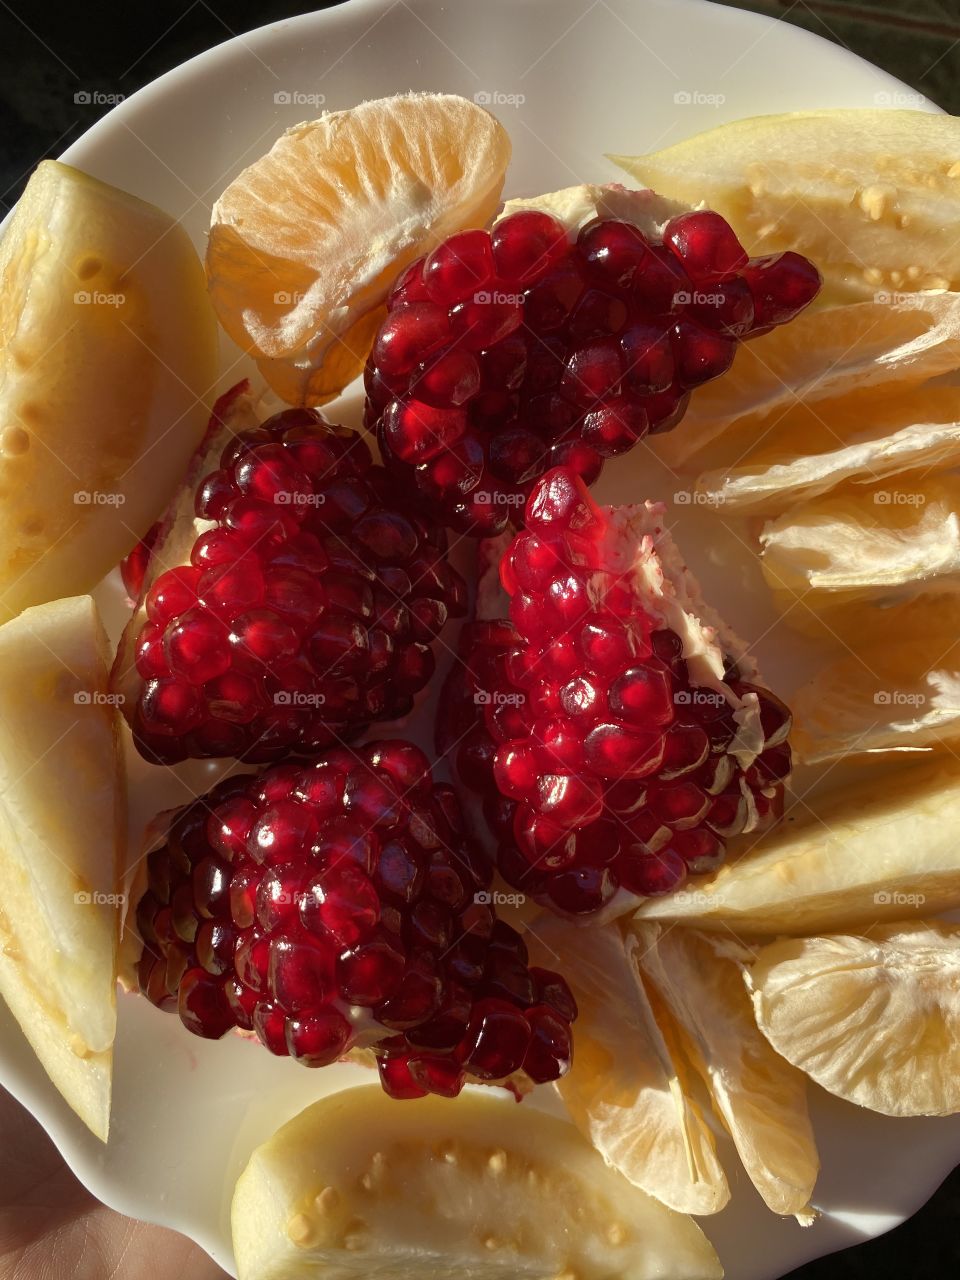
118, 47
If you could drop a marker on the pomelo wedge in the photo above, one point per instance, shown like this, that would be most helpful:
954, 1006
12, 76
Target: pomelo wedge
108, 349
874, 1019
760, 1098
880, 850
62, 829
870, 196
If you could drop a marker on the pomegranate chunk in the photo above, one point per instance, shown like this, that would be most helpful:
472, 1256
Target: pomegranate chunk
509, 352
307, 609
616, 738
338, 904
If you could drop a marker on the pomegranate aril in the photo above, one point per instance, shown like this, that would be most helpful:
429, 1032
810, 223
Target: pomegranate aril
526, 244
705, 244
203, 1005
614, 253
317, 1039
459, 267
699, 354
496, 1040
781, 286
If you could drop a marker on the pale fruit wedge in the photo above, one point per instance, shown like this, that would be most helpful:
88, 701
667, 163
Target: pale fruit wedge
887, 541
878, 850
629, 1090
852, 623
894, 695
885, 344
874, 1020
306, 242
108, 349
179, 528
761, 1099
359, 1185
871, 197
62, 828
817, 447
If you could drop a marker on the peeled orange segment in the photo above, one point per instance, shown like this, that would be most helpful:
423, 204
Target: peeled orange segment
877, 850
874, 1020
306, 242
359, 1185
108, 347
761, 1099
889, 696
628, 1090
850, 439
884, 345
62, 827
887, 541
870, 196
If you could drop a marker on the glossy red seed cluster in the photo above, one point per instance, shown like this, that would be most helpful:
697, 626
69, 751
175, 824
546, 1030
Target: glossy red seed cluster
307, 609
602, 766
338, 904
509, 352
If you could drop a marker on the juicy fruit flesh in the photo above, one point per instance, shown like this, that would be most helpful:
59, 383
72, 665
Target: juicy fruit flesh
108, 346
355, 1187
339, 905
884, 849
873, 1019
509, 352
605, 762
870, 195
306, 611
761, 1099
60, 846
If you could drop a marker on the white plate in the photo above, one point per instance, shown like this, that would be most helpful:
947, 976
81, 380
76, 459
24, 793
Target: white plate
619, 76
